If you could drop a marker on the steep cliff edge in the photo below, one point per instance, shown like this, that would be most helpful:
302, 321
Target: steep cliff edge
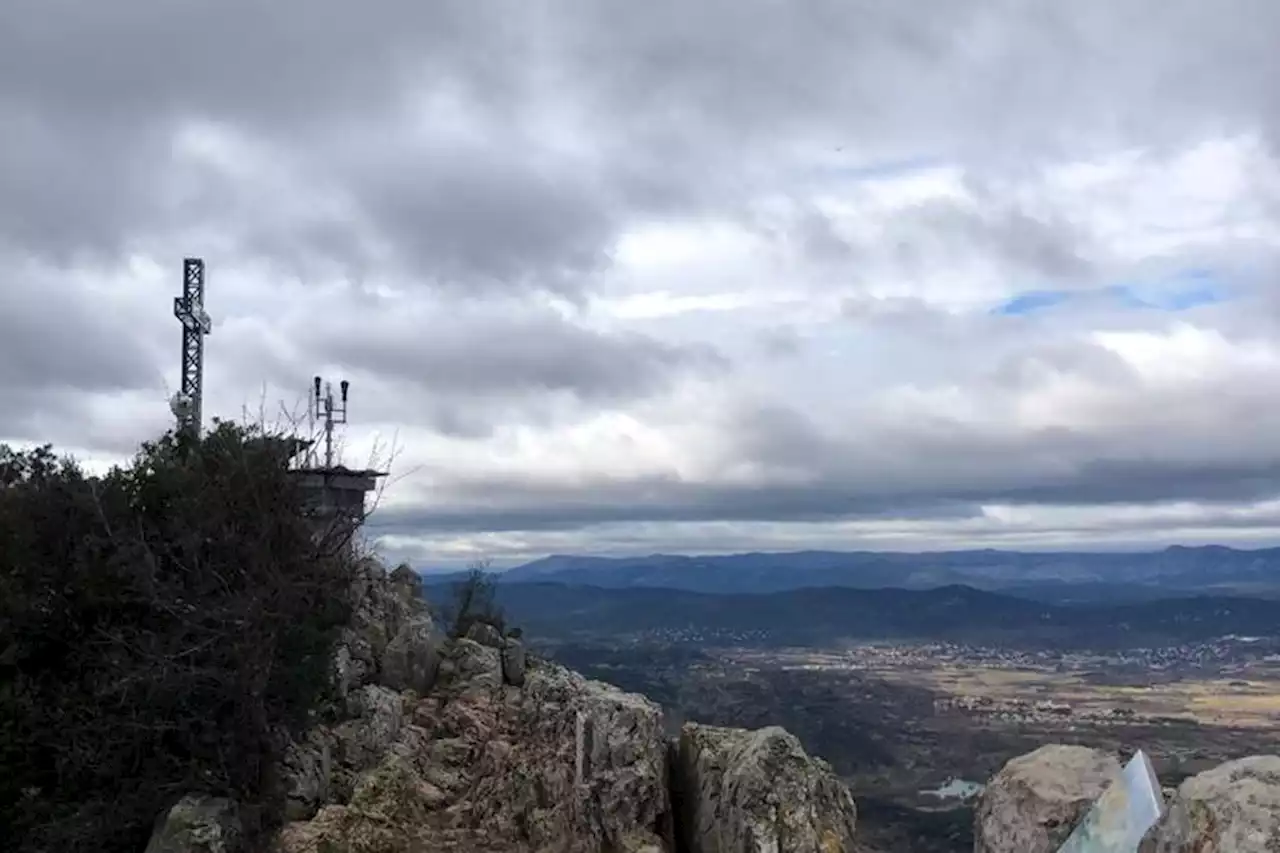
469, 745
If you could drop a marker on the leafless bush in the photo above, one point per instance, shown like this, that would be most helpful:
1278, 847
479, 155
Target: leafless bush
474, 600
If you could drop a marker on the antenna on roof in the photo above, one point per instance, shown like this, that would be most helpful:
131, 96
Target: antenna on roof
331, 413
187, 404
333, 496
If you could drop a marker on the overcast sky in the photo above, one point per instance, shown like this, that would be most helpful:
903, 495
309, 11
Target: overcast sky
616, 277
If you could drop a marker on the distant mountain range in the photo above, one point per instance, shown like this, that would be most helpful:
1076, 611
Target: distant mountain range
826, 616
1047, 576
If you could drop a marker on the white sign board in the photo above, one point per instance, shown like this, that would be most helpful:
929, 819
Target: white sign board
1122, 815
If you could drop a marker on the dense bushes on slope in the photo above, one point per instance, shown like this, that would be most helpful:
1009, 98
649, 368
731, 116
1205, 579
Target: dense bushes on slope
159, 626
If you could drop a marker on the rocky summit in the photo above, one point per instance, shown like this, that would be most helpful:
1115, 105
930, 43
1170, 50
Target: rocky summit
474, 744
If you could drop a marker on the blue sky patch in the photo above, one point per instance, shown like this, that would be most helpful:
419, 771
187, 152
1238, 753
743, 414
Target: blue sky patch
1032, 301
1179, 292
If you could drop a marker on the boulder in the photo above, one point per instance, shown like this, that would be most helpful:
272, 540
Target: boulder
485, 634
1233, 808
1036, 800
469, 666
756, 792
199, 824
412, 657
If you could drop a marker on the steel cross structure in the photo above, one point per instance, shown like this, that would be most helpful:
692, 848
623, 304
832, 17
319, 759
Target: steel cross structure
189, 308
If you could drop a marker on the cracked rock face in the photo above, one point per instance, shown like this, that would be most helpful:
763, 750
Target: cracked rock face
562, 764
1035, 800
758, 792
1233, 808
474, 745
392, 639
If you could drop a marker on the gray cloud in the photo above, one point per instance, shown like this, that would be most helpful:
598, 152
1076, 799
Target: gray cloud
534, 355
1029, 244
469, 218
477, 158
464, 368
672, 107
938, 470
52, 340
935, 489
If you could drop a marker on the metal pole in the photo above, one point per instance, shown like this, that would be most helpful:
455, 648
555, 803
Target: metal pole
328, 425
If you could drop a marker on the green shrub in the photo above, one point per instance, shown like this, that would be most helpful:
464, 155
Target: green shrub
159, 627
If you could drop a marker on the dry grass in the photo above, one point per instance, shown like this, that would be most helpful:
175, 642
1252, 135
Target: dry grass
1234, 703
1248, 698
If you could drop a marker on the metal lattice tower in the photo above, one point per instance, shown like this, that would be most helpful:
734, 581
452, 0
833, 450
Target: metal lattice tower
189, 308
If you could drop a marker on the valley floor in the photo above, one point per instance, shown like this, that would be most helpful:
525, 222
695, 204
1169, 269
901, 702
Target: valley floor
916, 728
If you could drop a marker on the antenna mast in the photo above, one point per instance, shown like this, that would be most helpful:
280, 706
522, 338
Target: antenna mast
324, 408
188, 403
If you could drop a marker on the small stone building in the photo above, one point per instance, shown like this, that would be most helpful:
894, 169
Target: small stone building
335, 497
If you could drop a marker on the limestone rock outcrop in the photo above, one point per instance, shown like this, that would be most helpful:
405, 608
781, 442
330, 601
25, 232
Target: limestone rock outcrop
471, 744
391, 639
1233, 808
758, 792
562, 764
1035, 800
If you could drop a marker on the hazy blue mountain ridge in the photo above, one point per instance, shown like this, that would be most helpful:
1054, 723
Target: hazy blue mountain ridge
1053, 576
823, 616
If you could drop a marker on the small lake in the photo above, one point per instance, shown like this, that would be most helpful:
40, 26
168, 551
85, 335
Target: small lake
955, 789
